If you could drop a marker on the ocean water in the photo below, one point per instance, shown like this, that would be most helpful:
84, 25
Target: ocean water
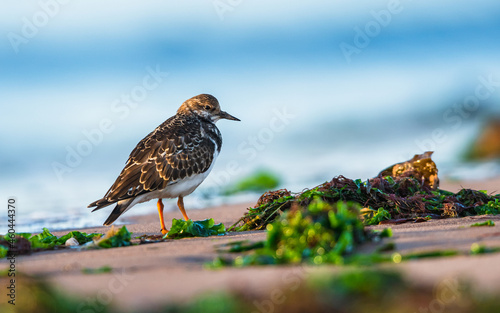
81, 93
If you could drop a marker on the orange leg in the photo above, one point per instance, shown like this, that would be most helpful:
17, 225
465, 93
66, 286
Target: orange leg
180, 204
164, 230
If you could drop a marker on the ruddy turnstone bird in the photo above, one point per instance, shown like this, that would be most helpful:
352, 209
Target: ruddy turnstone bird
170, 162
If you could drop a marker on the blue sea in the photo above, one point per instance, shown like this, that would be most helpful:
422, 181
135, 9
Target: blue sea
322, 88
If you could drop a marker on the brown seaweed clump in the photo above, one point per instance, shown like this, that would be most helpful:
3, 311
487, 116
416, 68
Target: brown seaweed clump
278, 200
271, 196
406, 191
21, 245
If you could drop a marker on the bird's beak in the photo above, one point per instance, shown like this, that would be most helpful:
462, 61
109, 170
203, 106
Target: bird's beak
227, 116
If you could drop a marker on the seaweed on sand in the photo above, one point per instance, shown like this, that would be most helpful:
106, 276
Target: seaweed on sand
269, 206
25, 243
406, 191
323, 233
320, 233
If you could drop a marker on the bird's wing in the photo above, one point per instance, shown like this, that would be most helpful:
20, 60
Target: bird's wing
174, 150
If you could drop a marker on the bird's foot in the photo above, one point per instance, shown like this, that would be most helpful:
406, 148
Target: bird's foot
164, 231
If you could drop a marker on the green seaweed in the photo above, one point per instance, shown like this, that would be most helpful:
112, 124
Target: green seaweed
429, 254
378, 216
3, 251
45, 240
211, 302
99, 270
389, 246
120, 239
491, 207
242, 246
476, 249
487, 223
24, 243
319, 233
181, 228
258, 182
81, 237
384, 233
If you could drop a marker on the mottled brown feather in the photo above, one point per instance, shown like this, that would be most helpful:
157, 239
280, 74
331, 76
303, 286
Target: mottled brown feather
180, 147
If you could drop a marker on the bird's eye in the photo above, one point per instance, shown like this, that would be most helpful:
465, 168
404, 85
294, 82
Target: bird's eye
207, 107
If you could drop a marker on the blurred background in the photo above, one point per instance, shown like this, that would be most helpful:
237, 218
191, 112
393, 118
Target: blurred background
323, 88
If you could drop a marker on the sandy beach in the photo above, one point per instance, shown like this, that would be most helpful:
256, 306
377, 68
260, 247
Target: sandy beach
151, 275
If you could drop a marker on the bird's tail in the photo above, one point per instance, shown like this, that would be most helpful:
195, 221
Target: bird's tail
99, 204
119, 209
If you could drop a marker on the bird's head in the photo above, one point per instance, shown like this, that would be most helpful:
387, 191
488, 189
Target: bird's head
205, 106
